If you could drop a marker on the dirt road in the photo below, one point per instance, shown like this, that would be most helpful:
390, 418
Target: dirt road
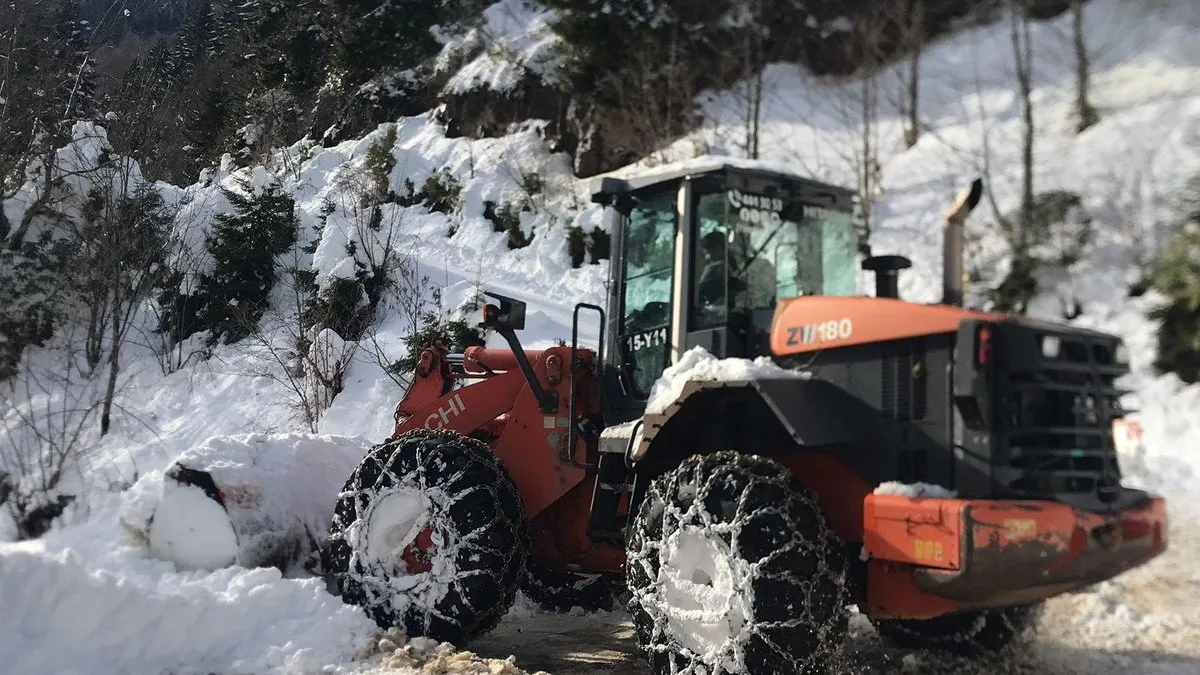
1145, 623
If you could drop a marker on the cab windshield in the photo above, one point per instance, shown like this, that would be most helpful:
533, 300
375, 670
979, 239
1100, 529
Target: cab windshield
753, 250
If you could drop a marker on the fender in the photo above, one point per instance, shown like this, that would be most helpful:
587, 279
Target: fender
816, 430
812, 412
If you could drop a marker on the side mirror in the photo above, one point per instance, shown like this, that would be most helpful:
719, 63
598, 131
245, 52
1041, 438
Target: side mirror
510, 315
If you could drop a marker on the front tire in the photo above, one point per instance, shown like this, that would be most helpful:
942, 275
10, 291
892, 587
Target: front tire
972, 633
429, 535
732, 568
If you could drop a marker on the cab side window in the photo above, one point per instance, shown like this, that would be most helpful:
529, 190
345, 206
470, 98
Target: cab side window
649, 259
710, 259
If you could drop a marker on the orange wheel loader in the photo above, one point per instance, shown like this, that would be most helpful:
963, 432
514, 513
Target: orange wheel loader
752, 448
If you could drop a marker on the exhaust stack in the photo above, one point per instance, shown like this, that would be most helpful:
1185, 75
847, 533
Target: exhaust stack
955, 219
887, 273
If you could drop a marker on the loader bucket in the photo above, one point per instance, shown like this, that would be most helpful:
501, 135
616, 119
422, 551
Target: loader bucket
252, 501
191, 527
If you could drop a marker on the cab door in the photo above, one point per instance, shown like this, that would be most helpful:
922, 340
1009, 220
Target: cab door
646, 291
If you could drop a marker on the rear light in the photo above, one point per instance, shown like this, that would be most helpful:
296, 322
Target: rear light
983, 350
1121, 354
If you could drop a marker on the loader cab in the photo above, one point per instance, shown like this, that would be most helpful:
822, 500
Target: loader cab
702, 255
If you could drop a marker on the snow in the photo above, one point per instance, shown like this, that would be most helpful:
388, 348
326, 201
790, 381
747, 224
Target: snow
393, 523
914, 490
279, 491
699, 365
82, 602
701, 597
89, 597
191, 528
80, 171
515, 41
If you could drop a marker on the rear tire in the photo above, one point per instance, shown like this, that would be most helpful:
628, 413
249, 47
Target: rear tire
972, 633
429, 535
561, 591
733, 568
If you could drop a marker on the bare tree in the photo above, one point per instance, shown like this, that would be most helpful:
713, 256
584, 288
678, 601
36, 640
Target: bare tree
753, 57
859, 108
42, 437
653, 100
408, 300
912, 27
1085, 114
119, 248
314, 337
1022, 46
176, 304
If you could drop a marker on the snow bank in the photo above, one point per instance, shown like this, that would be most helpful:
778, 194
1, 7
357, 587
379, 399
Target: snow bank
279, 492
698, 365
91, 607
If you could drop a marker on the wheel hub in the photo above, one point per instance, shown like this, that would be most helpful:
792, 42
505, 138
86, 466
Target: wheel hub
705, 598
398, 533
418, 556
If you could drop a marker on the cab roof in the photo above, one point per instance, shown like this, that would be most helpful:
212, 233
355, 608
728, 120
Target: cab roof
605, 188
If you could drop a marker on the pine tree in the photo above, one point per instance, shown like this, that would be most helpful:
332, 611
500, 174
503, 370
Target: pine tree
75, 76
244, 245
373, 37
291, 43
199, 39
1178, 278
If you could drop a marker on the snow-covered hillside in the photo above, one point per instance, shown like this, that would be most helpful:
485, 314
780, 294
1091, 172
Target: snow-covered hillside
87, 599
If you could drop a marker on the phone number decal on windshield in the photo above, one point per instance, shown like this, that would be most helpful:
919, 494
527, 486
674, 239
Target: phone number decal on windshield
824, 331
755, 209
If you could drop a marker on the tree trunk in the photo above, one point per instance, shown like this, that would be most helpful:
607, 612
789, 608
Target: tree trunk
913, 132
114, 364
37, 208
93, 346
754, 86
1083, 106
1022, 53
916, 37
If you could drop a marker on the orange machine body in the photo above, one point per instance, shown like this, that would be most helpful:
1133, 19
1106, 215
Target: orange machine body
813, 323
923, 557
501, 409
931, 556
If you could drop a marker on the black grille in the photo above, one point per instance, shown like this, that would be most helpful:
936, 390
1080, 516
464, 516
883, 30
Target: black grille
1057, 416
903, 380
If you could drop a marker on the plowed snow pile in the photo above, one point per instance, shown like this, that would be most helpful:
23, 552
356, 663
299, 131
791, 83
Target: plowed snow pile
89, 606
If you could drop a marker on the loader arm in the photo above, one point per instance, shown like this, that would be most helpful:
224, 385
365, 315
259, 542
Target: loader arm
529, 439
467, 408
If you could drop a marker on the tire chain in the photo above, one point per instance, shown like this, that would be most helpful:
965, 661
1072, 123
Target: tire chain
803, 643
965, 634
556, 590
469, 484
